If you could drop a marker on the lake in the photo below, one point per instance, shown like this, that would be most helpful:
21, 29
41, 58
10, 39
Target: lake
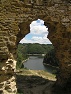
36, 63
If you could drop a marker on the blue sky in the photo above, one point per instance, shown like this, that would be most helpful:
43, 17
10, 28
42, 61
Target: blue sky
38, 33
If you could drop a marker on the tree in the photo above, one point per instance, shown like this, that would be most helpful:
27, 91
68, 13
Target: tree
50, 58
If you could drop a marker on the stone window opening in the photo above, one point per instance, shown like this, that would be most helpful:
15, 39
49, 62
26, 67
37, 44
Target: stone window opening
33, 59
15, 13
38, 35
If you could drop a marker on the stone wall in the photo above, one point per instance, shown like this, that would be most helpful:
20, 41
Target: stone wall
15, 18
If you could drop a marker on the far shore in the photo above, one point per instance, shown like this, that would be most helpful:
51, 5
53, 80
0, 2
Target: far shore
51, 65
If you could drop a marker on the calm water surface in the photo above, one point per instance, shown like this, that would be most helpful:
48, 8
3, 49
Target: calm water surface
35, 63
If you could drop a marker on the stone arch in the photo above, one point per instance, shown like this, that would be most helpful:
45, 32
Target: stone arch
56, 31
15, 17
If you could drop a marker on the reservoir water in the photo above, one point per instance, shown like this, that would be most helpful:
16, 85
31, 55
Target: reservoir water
36, 63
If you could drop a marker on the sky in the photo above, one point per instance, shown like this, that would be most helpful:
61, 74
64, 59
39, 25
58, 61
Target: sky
38, 33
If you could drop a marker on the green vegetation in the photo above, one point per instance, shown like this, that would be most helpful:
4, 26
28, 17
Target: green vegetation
37, 48
51, 59
27, 48
21, 55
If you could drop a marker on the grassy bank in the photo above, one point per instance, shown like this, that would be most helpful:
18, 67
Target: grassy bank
40, 73
34, 81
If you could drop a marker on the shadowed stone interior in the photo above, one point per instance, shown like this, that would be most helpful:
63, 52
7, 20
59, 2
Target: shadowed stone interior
15, 18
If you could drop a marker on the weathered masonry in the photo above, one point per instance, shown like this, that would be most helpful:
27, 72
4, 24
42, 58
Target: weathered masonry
15, 18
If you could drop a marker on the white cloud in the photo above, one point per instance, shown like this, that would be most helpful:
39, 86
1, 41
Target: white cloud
24, 40
38, 22
39, 32
41, 40
35, 39
45, 37
38, 27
